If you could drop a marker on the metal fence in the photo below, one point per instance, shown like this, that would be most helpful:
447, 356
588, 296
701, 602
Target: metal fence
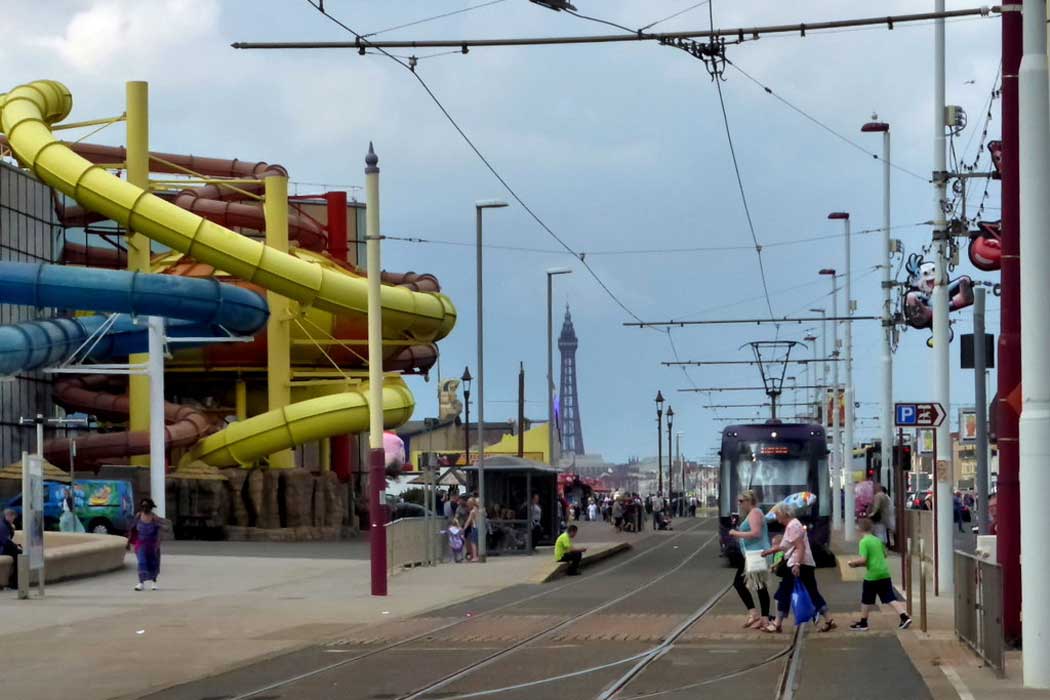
408, 543
979, 607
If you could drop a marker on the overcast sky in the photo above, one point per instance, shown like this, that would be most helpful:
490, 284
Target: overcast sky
616, 147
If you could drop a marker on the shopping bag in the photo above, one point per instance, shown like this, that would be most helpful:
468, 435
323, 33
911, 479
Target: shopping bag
802, 604
755, 563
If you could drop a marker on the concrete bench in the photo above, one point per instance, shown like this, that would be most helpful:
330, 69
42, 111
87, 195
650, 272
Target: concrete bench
73, 555
595, 553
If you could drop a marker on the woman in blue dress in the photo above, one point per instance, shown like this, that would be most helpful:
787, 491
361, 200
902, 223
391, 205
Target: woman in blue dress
753, 536
145, 537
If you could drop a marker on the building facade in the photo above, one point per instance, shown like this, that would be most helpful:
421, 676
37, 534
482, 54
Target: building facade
28, 233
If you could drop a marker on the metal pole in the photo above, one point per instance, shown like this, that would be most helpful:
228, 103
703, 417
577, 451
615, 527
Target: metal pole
981, 401
1034, 426
659, 452
886, 415
670, 461
941, 359
376, 457
550, 373
521, 409
849, 515
482, 505
155, 364
1008, 517
835, 463
681, 470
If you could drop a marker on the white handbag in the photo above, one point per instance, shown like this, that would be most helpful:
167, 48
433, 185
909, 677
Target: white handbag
755, 563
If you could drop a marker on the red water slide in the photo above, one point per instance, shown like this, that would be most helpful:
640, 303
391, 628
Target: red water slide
185, 425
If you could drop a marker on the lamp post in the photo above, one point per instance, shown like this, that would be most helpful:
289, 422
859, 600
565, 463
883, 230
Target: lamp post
659, 443
849, 516
835, 462
811, 377
466, 425
670, 455
550, 360
823, 350
479, 207
376, 457
886, 412
681, 469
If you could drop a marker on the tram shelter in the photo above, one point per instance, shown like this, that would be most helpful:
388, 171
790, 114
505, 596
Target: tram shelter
510, 484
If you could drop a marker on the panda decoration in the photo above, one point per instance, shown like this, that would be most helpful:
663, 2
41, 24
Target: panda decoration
918, 309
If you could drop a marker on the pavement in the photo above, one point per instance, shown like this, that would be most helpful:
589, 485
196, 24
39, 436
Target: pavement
222, 605
949, 668
232, 617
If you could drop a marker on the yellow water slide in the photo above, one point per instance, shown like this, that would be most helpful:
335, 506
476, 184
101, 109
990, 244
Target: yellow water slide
26, 116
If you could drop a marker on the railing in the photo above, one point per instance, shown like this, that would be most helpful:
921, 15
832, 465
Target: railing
918, 549
979, 607
407, 540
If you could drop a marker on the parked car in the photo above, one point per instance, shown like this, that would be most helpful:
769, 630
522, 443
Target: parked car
104, 506
407, 510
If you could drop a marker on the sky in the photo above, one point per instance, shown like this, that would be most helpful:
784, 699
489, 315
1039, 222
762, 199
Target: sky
616, 147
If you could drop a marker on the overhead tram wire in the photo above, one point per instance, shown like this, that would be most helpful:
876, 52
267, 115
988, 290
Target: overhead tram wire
732, 150
837, 134
366, 43
431, 19
676, 14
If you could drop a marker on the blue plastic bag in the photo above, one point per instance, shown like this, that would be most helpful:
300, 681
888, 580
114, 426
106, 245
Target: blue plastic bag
802, 604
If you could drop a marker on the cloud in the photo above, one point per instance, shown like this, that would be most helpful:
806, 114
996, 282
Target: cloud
139, 34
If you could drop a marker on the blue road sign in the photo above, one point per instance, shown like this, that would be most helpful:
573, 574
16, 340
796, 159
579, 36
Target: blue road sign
918, 415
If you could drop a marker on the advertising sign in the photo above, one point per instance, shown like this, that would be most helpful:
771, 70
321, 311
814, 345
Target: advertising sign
968, 424
33, 509
829, 407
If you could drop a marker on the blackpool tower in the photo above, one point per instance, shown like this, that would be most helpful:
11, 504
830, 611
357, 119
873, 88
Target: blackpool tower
571, 432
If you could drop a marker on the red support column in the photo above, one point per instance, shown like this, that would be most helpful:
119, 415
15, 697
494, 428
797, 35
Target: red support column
1008, 522
337, 240
377, 518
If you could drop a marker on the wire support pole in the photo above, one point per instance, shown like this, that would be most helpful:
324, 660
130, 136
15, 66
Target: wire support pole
738, 33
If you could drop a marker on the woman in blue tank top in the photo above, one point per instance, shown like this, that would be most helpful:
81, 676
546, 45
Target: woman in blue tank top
753, 536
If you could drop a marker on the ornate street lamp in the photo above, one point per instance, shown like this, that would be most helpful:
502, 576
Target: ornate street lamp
659, 443
466, 425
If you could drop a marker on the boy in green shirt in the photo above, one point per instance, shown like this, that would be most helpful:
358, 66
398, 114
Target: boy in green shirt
877, 579
564, 551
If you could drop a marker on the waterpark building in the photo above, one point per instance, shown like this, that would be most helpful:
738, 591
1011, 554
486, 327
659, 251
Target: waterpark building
255, 295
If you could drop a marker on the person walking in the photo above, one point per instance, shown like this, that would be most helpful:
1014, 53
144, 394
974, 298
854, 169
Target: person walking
536, 519
566, 551
879, 512
8, 547
799, 566
592, 511
144, 536
877, 581
617, 514
658, 508
470, 527
753, 536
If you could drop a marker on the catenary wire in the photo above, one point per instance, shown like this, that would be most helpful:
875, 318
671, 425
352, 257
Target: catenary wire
837, 134
319, 6
676, 14
431, 19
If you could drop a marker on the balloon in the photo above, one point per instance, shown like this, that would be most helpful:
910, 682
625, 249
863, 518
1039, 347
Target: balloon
394, 449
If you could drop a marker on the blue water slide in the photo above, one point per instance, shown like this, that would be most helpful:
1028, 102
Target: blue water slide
36, 344
240, 311
199, 307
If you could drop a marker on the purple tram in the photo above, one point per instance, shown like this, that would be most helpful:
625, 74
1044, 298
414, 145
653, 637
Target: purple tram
776, 460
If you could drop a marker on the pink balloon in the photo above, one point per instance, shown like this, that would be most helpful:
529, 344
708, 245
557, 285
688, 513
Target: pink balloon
394, 448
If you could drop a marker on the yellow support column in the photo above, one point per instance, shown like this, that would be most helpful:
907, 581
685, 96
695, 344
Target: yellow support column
278, 335
137, 96
240, 391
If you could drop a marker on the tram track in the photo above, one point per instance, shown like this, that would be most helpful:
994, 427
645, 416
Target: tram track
467, 670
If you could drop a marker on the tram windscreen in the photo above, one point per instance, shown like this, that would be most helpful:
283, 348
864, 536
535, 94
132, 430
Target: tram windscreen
775, 470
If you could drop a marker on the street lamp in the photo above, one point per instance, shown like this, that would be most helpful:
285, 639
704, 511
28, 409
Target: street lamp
823, 354
670, 453
835, 463
848, 393
885, 415
479, 207
811, 377
659, 443
550, 360
466, 426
